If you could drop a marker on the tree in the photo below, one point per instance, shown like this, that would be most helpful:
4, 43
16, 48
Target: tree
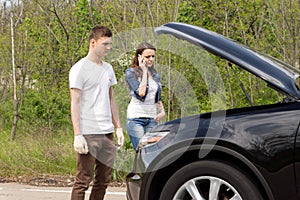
14, 75
285, 23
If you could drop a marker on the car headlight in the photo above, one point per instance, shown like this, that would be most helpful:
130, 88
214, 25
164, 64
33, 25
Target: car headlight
152, 138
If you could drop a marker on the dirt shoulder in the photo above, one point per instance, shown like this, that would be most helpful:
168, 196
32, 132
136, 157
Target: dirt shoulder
50, 180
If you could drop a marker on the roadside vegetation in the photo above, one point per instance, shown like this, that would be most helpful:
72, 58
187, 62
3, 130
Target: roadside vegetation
41, 39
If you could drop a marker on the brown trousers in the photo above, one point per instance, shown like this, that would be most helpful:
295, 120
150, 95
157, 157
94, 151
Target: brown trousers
96, 165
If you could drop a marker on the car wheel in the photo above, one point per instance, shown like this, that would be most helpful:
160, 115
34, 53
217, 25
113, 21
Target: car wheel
209, 180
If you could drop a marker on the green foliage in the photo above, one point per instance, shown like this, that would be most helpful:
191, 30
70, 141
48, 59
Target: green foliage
188, 13
50, 110
6, 108
36, 154
123, 163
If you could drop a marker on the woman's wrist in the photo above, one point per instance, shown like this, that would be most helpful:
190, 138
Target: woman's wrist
144, 78
145, 72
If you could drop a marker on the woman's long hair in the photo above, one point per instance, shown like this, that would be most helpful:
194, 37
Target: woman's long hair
135, 62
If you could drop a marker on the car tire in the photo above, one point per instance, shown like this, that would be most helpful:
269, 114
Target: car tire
200, 176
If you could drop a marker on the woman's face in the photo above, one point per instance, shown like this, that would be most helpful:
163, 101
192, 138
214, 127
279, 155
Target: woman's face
148, 55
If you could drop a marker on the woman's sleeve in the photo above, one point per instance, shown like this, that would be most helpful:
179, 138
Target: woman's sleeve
134, 84
156, 77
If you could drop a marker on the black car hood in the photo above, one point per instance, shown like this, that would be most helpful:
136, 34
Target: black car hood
277, 74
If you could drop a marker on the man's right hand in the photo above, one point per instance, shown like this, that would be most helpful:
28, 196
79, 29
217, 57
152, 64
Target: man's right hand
80, 144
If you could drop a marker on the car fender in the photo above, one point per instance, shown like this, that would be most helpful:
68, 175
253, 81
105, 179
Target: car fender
170, 155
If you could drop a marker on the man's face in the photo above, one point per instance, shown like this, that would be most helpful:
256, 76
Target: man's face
102, 46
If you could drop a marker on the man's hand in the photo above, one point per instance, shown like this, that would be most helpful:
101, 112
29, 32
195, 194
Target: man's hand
80, 144
120, 136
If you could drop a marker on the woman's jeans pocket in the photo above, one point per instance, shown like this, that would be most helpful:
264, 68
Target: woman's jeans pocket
137, 127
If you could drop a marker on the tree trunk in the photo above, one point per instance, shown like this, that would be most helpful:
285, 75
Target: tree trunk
15, 98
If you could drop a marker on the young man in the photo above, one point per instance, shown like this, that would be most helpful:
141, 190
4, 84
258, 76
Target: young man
94, 116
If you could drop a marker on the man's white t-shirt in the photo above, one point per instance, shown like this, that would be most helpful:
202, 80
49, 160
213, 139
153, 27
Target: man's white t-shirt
94, 82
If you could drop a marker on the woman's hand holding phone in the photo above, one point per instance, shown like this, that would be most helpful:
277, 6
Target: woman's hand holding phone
142, 62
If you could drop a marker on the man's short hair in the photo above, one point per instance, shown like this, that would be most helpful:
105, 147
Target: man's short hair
98, 32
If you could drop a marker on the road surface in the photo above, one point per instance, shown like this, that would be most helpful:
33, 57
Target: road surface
16, 191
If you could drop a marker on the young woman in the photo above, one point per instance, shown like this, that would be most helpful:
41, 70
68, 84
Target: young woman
145, 109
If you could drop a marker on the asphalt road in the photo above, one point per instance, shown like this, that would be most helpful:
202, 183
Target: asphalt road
16, 191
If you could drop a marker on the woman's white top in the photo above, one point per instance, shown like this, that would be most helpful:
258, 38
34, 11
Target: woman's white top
137, 108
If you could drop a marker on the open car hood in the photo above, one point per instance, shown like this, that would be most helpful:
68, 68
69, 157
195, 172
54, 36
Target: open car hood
277, 74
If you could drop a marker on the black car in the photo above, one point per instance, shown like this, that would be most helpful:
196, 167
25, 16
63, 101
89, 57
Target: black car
245, 153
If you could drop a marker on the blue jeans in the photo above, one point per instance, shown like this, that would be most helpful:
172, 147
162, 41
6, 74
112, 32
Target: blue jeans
137, 127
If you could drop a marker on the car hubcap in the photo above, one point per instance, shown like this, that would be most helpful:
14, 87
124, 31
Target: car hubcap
207, 188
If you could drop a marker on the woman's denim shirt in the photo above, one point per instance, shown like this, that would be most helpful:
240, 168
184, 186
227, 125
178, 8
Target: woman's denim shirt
134, 83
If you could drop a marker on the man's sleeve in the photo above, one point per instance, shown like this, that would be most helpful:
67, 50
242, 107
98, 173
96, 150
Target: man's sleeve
75, 78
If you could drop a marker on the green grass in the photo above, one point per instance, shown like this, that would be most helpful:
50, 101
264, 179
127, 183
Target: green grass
46, 154
36, 154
